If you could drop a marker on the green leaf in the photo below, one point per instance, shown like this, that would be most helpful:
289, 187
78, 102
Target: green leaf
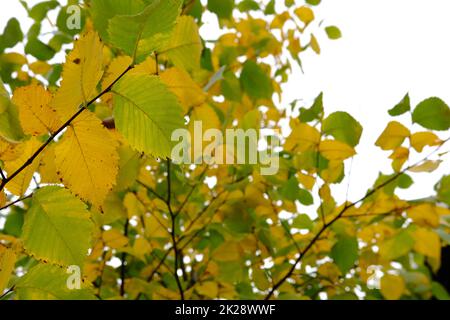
303, 221
231, 88
333, 32
313, 2
397, 246
57, 227
443, 190
305, 197
439, 291
14, 222
270, 8
432, 113
49, 282
402, 107
222, 8
63, 17
39, 50
146, 113
11, 35
102, 11
314, 112
248, 5
34, 31
255, 81
139, 35
184, 48
343, 127
290, 189
10, 128
39, 11
344, 253
405, 181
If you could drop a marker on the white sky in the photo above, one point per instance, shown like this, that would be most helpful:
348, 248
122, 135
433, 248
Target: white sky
388, 48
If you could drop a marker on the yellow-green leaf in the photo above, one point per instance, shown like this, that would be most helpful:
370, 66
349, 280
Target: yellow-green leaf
57, 227
146, 113
185, 46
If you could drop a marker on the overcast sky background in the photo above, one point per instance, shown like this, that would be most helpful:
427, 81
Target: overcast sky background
389, 48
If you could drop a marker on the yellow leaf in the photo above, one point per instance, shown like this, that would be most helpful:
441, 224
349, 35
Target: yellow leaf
302, 138
114, 239
392, 286
421, 139
36, 115
7, 262
427, 166
133, 205
424, 215
315, 44
188, 92
393, 136
336, 150
10, 151
47, 168
2, 198
120, 64
305, 14
333, 172
279, 20
208, 289
115, 69
81, 74
40, 67
400, 156
87, 159
427, 243
141, 247
306, 180
148, 67
229, 251
20, 183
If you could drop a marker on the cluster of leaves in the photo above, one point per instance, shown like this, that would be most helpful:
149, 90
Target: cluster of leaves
95, 150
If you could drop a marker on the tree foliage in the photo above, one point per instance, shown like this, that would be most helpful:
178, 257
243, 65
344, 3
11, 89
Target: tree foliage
87, 180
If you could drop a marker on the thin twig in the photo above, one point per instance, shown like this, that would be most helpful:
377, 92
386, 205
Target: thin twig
173, 229
7, 292
123, 258
16, 201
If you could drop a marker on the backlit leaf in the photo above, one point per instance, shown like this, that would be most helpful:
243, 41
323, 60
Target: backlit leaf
57, 227
393, 136
36, 115
146, 113
82, 72
87, 160
49, 282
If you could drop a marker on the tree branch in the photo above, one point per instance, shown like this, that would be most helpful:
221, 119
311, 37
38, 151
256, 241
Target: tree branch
173, 230
340, 215
57, 132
